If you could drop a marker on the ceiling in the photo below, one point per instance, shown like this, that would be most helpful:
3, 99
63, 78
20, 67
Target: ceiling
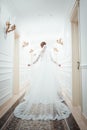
39, 18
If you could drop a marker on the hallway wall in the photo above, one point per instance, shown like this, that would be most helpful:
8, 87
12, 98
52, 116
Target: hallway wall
24, 70
67, 59
83, 34
6, 58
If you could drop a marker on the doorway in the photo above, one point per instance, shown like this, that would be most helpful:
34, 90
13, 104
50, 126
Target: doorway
76, 86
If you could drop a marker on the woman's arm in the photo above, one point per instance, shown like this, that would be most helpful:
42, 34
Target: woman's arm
41, 52
35, 61
54, 61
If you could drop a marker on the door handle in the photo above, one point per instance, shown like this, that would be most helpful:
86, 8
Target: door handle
78, 65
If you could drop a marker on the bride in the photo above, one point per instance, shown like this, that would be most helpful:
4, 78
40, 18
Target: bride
44, 100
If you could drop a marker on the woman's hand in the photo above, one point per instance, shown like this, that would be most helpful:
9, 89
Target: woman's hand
59, 65
29, 65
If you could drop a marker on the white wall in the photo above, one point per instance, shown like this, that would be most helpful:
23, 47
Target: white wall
24, 70
67, 58
6, 58
83, 33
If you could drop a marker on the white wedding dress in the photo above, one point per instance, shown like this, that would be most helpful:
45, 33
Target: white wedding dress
44, 101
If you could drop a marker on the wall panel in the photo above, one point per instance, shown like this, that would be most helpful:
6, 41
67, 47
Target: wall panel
6, 58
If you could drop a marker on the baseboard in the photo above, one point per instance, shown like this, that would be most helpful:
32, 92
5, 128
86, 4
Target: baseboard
76, 112
84, 118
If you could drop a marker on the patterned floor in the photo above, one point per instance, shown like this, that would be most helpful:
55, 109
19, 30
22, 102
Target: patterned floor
18, 124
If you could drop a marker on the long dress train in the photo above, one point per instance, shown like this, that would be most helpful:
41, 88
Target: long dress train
44, 101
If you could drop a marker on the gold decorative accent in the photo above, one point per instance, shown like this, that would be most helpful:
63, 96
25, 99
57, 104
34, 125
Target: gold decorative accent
16, 35
31, 50
10, 27
55, 49
25, 44
60, 41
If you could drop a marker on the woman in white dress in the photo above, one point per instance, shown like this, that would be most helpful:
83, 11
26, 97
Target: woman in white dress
43, 102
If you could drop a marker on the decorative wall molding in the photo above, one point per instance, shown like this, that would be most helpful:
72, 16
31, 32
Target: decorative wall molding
5, 54
6, 78
83, 66
4, 89
9, 61
6, 67
5, 95
5, 73
84, 88
1, 80
67, 66
5, 98
6, 60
